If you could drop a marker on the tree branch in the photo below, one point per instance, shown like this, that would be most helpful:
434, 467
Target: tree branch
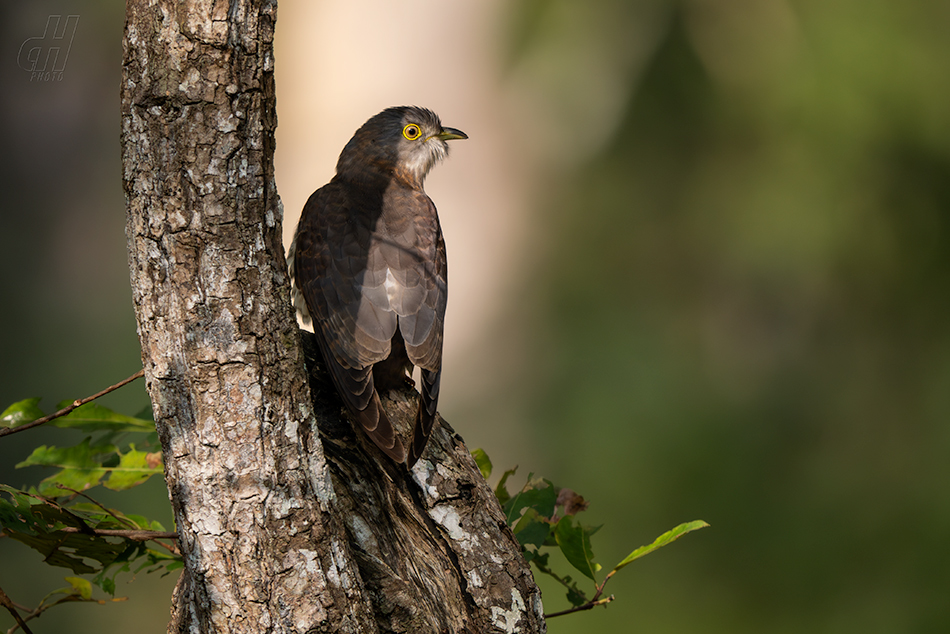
172, 548
77, 403
139, 535
8, 604
43, 607
592, 603
580, 608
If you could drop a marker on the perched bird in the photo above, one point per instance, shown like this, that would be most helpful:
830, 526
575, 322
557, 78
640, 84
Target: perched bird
369, 268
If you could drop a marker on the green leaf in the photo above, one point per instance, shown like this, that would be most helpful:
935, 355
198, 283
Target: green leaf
159, 557
483, 462
538, 494
133, 469
175, 565
541, 560
80, 466
80, 586
9, 518
21, 412
38, 522
64, 482
50, 545
139, 520
664, 539
107, 584
501, 491
574, 541
95, 516
45, 516
532, 529
574, 594
95, 417
84, 465
83, 455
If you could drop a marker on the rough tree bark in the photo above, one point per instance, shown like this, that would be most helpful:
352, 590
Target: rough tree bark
277, 535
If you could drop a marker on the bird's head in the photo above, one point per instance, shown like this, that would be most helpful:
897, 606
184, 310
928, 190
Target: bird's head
404, 142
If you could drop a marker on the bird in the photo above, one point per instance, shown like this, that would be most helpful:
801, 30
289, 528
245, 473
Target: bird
369, 269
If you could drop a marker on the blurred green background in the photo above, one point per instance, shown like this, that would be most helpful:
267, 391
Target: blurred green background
736, 307
67, 328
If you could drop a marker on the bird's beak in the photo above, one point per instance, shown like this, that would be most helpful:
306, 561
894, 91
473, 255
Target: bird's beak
448, 134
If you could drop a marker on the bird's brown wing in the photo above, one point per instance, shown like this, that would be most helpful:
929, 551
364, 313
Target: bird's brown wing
333, 245
411, 254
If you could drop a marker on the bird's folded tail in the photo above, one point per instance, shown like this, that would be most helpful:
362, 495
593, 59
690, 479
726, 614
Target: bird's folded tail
378, 427
425, 417
359, 394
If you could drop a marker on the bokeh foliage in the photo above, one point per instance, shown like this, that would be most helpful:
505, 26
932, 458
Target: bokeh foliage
745, 315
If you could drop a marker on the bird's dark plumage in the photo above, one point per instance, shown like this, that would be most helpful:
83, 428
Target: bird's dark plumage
369, 269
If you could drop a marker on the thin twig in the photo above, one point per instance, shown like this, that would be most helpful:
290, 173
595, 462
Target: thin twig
139, 535
580, 608
77, 403
600, 588
593, 603
69, 598
124, 520
172, 548
8, 604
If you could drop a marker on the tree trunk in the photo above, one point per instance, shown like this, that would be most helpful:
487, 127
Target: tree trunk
275, 538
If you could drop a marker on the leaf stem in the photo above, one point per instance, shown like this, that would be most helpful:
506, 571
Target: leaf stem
600, 588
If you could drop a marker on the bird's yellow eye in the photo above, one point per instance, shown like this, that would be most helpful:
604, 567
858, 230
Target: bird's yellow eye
411, 132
